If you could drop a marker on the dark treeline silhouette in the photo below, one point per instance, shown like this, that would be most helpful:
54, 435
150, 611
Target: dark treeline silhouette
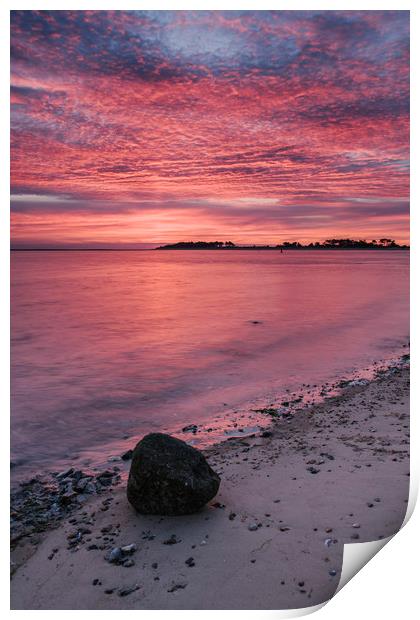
328, 244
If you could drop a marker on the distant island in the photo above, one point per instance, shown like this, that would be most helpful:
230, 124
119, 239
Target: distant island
328, 244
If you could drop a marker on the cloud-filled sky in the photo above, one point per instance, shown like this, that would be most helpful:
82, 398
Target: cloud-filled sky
133, 127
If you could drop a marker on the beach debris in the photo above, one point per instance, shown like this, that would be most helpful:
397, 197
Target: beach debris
253, 527
169, 477
190, 562
42, 501
356, 525
328, 542
232, 516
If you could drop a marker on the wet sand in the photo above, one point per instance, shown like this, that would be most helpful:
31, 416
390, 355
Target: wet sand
334, 473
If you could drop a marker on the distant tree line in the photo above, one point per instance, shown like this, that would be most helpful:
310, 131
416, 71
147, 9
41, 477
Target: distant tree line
287, 245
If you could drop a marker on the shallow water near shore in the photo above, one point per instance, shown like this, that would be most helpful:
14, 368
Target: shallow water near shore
107, 346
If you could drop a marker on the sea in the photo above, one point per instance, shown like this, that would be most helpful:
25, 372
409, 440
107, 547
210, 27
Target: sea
107, 346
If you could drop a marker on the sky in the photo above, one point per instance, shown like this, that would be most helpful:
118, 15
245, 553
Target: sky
136, 128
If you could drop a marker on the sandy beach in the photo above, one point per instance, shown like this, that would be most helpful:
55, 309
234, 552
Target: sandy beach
333, 473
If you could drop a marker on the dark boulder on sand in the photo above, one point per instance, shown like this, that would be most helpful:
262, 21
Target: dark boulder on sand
169, 477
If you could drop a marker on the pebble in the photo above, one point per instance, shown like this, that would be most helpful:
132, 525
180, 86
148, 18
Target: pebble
128, 562
115, 555
177, 586
129, 549
252, 527
125, 590
190, 562
172, 540
313, 470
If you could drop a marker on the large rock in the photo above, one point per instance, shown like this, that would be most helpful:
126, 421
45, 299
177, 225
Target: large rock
169, 477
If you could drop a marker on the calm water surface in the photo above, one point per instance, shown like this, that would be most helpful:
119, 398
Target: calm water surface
110, 345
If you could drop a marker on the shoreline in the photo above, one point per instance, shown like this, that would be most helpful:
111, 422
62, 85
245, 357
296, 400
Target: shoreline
275, 524
245, 418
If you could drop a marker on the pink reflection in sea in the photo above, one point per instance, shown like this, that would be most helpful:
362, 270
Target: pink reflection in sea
107, 346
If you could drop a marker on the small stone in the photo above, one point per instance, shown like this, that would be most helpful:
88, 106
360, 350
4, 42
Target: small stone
313, 470
129, 549
191, 428
128, 562
332, 572
190, 562
356, 525
177, 586
252, 527
232, 515
126, 590
172, 540
115, 555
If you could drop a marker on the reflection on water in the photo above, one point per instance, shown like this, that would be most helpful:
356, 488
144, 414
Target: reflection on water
111, 344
